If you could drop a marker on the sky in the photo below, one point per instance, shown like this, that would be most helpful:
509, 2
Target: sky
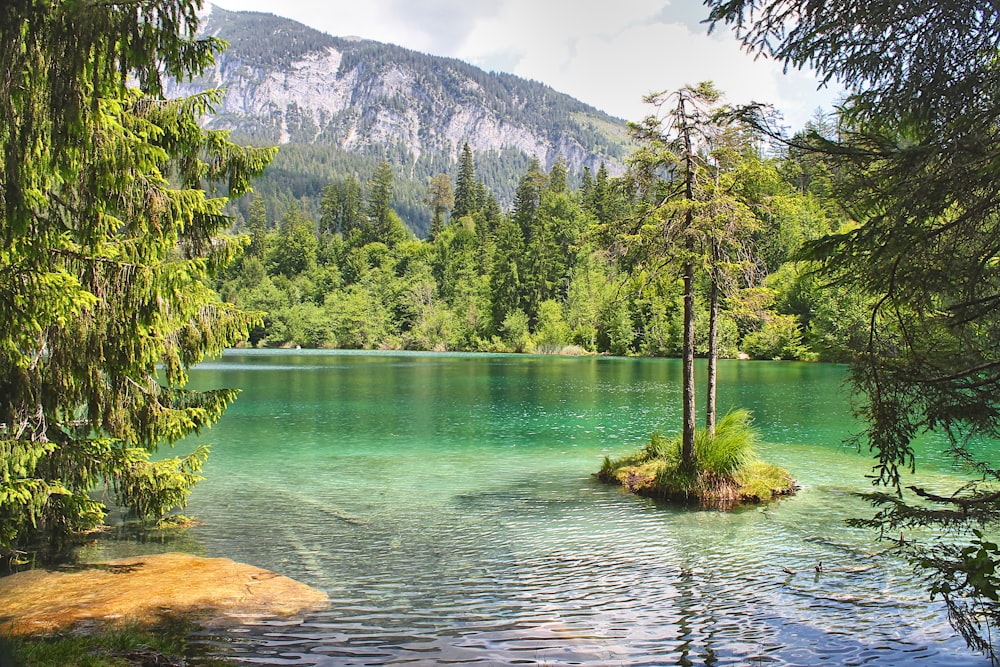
607, 53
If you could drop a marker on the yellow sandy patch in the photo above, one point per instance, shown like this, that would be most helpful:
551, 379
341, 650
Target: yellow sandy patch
144, 588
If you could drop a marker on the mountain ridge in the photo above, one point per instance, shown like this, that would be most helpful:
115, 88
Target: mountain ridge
288, 84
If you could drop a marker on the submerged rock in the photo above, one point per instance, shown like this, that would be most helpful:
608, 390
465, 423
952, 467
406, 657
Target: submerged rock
218, 591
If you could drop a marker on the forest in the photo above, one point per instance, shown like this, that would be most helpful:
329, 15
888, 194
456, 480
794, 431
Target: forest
546, 275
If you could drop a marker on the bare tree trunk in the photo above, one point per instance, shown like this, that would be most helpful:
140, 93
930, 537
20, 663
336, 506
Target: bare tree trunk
687, 439
713, 351
689, 416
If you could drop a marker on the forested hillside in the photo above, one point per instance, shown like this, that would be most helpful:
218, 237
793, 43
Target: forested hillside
340, 106
550, 274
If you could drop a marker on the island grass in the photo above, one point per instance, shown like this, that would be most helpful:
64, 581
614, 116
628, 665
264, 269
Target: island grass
727, 470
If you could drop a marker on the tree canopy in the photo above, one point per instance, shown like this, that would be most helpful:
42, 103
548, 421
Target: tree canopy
917, 157
112, 201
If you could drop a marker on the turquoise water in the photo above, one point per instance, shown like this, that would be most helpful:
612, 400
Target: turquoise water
446, 505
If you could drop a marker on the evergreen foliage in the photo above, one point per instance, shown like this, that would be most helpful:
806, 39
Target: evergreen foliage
440, 199
700, 190
465, 185
530, 279
109, 239
914, 161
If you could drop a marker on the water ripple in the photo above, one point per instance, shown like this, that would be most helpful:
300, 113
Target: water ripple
512, 576
446, 507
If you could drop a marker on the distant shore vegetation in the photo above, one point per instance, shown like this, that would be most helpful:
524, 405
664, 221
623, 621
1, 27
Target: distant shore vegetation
549, 275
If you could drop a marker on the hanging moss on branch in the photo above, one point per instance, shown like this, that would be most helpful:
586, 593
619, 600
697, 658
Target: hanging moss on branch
726, 468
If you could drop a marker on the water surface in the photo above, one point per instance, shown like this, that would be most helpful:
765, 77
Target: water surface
446, 504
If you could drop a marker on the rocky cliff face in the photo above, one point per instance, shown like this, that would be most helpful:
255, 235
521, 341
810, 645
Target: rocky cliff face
286, 83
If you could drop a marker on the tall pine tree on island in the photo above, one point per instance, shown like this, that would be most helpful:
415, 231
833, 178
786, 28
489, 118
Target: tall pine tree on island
693, 183
112, 201
667, 172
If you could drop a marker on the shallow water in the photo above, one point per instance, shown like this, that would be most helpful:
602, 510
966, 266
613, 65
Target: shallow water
446, 504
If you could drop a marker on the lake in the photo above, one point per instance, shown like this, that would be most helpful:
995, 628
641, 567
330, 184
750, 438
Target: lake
446, 505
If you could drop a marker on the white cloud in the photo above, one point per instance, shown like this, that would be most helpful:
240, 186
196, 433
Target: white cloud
608, 54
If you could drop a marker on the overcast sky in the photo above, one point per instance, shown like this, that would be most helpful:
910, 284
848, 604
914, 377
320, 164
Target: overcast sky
608, 53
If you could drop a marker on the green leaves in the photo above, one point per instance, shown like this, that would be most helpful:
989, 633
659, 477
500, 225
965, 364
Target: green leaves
979, 560
151, 488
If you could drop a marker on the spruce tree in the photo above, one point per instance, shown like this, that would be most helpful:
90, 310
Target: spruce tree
256, 226
341, 207
383, 224
110, 233
587, 190
559, 176
668, 171
507, 270
465, 185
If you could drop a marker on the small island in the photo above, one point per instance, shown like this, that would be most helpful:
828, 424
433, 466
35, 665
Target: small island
725, 471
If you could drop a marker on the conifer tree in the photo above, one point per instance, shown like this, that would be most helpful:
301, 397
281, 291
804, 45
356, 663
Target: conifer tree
440, 199
587, 189
383, 224
257, 228
559, 176
341, 207
379, 199
295, 247
104, 261
601, 200
667, 169
528, 197
507, 271
465, 185
685, 215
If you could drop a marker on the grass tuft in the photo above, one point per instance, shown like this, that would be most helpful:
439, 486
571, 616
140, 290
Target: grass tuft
727, 470
732, 448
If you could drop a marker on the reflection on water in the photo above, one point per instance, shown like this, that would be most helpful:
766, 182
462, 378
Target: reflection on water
445, 504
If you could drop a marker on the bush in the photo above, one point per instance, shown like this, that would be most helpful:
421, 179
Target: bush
516, 333
779, 338
552, 331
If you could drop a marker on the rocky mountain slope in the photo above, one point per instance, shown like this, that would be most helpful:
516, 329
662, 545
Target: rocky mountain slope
340, 105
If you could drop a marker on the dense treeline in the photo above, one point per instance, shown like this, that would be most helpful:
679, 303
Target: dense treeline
301, 171
547, 275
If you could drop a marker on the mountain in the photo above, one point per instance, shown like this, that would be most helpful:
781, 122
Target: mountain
339, 106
